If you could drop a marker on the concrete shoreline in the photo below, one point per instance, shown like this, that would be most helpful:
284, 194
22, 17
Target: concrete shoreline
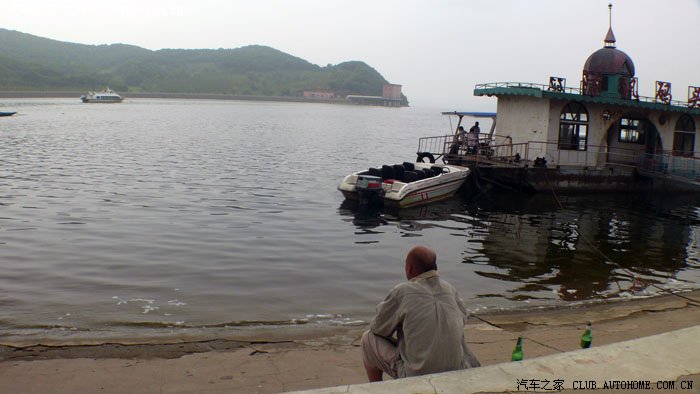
662, 362
165, 95
271, 361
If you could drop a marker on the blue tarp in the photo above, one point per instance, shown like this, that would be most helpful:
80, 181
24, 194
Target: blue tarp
472, 114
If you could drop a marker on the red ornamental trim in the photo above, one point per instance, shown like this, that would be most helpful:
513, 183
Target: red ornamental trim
557, 84
693, 96
592, 83
634, 88
663, 92
434, 188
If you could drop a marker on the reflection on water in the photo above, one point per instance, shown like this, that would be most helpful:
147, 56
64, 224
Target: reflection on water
150, 216
590, 247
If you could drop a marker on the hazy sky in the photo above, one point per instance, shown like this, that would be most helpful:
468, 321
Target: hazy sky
438, 49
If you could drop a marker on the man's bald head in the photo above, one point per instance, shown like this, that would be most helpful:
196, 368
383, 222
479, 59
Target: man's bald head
419, 260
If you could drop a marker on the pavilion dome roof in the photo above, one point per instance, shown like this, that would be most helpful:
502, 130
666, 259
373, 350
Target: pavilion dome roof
609, 60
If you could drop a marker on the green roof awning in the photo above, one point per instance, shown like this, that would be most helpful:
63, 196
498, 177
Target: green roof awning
540, 91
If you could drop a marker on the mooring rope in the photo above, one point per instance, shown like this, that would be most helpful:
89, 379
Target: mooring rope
478, 172
588, 242
518, 333
608, 260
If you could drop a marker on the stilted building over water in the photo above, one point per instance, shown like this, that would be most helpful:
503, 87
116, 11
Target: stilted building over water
601, 135
391, 97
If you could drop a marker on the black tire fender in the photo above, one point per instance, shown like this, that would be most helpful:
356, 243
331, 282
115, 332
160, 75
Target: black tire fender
424, 155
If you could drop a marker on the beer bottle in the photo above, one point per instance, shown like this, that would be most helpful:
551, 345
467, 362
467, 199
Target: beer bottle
518, 351
587, 337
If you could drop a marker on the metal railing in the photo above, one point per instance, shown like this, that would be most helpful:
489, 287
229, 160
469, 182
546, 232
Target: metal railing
529, 152
667, 164
527, 85
488, 151
446, 144
498, 149
543, 87
436, 146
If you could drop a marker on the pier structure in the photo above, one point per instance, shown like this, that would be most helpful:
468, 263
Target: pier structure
601, 135
391, 97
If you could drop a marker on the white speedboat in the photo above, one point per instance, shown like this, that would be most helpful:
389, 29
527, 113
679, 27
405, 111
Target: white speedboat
104, 96
404, 185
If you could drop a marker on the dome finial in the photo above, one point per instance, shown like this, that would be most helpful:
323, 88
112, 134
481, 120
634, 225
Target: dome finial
610, 37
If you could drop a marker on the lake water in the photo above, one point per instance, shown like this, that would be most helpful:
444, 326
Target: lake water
162, 217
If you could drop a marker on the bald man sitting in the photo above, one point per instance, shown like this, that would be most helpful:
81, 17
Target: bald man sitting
428, 318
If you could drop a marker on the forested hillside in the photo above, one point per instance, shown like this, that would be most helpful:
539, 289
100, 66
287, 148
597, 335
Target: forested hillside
31, 63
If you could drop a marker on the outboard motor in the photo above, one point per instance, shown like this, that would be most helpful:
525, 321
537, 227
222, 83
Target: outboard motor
369, 190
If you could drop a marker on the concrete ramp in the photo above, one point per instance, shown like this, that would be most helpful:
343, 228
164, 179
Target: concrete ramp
668, 362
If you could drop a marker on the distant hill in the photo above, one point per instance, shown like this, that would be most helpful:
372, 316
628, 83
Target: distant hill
31, 63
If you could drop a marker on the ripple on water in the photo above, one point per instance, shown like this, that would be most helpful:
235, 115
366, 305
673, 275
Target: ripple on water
225, 214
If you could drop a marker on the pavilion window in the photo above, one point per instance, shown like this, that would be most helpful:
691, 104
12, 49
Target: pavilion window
684, 136
632, 131
573, 127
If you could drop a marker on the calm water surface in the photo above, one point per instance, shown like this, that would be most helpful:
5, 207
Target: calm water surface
160, 217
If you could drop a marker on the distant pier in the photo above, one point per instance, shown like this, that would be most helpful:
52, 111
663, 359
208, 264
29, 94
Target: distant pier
375, 100
391, 97
212, 96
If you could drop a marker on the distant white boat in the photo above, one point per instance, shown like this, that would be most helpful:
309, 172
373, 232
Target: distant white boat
104, 96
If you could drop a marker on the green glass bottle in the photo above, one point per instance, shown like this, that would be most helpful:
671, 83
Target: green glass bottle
518, 351
587, 337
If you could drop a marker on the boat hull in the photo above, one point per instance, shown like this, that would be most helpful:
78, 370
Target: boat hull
111, 101
420, 192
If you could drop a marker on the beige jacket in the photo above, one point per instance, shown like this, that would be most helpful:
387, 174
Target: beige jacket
428, 317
